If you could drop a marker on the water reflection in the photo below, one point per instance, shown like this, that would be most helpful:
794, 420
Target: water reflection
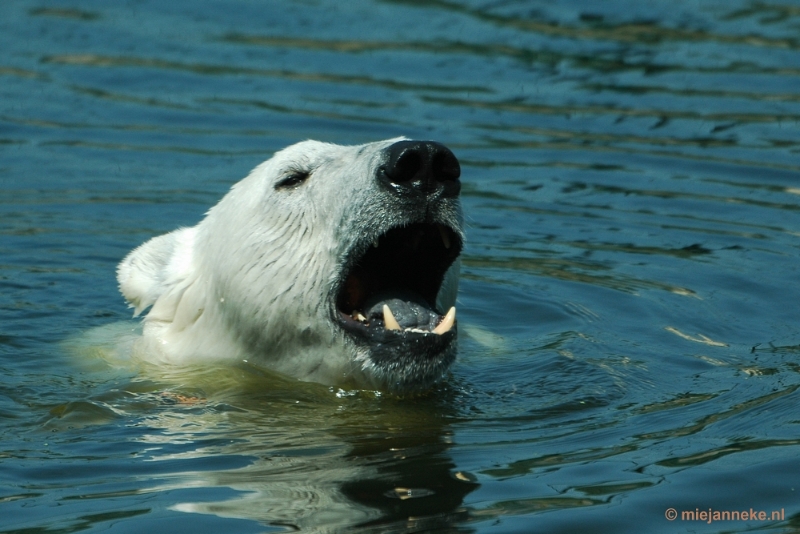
295, 455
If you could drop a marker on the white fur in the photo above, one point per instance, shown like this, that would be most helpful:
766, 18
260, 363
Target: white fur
253, 280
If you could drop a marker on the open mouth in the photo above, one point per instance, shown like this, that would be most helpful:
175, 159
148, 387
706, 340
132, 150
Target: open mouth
388, 295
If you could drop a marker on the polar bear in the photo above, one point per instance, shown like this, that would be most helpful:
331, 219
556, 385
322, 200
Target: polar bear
328, 263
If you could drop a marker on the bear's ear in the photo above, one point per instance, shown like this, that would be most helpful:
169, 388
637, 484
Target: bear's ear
155, 267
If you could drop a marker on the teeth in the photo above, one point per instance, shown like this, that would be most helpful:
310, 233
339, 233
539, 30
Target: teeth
390, 323
358, 316
445, 237
447, 323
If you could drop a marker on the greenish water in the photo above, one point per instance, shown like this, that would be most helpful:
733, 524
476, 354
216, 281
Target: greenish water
630, 334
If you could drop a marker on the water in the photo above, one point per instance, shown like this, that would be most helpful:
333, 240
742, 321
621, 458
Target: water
629, 327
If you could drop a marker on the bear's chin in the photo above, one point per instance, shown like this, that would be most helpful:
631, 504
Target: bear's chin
404, 360
411, 362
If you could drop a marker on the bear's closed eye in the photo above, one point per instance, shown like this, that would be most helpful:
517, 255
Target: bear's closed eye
293, 179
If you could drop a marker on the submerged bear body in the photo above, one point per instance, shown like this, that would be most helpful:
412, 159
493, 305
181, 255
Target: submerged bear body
334, 264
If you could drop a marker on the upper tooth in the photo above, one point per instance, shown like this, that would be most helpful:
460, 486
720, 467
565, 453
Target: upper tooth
445, 237
447, 323
390, 323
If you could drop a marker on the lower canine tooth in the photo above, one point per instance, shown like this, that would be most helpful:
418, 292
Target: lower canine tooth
445, 237
390, 323
447, 323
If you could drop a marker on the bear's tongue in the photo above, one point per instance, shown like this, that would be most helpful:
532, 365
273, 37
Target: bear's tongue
406, 310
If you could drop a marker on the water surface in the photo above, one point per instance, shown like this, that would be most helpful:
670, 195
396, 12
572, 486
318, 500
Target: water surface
630, 333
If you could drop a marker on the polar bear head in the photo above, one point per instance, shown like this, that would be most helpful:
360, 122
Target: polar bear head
336, 264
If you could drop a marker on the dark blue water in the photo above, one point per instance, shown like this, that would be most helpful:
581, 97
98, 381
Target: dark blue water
630, 334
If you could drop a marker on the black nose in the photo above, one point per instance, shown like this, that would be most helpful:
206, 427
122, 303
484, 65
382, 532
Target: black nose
421, 167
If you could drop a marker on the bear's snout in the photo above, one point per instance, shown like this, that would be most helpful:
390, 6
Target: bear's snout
421, 168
